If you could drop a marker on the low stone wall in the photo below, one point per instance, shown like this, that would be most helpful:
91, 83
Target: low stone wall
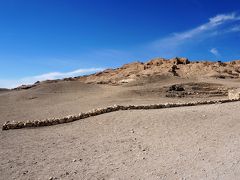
234, 94
95, 112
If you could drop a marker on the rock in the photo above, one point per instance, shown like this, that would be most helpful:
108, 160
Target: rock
176, 87
178, 60
126, 80
234, 94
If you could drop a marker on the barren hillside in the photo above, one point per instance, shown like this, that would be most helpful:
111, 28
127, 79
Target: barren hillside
155, 68
180, 67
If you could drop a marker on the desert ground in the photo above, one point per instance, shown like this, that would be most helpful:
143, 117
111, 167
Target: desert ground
199, 142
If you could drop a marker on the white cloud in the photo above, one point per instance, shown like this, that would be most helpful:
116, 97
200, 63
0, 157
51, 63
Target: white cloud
59, 75
11, 83
212, 28
215, 52
219, 19
213, 23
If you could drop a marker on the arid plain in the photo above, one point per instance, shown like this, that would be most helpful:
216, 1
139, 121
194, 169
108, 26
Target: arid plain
199, 142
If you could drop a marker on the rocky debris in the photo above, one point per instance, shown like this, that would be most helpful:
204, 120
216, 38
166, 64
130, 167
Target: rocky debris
196, 90
234, 94
54, 121
179, 60
155, 62
176, 87
70, 79
24, 87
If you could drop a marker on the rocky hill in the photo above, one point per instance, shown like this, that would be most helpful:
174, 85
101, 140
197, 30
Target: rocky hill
176, 67
181, 67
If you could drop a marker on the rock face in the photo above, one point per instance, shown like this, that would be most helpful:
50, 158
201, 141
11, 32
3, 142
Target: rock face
234, 94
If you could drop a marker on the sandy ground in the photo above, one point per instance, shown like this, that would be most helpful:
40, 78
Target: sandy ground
200, 142
179, 143
65, 98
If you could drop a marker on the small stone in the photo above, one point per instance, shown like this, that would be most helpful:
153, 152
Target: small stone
74, 160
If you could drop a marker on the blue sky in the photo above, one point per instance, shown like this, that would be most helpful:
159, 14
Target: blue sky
47, 39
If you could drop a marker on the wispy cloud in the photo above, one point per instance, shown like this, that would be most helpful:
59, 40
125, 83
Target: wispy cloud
11, 83
59, 75
235, 28
215, 52
213, 23
172, 44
